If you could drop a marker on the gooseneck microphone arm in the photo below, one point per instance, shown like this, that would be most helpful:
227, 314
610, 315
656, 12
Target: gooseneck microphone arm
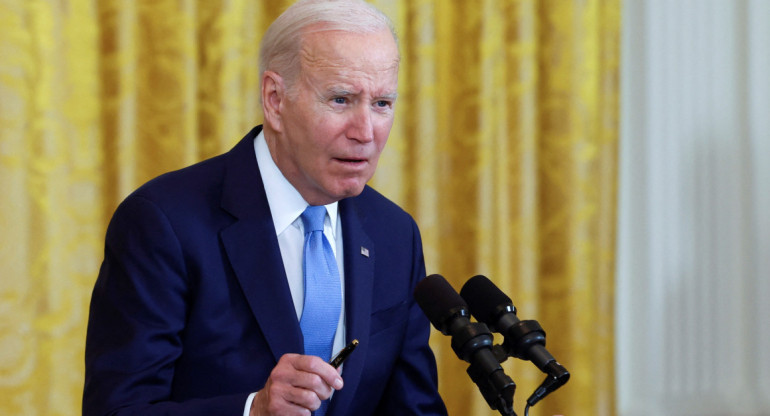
471, 341
523, 339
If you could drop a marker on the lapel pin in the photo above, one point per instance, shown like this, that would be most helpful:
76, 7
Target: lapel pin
365, 251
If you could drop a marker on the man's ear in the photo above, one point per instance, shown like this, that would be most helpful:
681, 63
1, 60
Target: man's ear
272, 97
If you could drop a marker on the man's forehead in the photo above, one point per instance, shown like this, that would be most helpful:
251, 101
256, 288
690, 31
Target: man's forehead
350, 74
349, 64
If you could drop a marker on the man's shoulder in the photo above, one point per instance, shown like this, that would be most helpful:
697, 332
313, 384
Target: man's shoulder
185, 182
203, 179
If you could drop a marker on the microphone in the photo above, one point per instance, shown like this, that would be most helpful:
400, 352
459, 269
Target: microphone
523, 339
472, 342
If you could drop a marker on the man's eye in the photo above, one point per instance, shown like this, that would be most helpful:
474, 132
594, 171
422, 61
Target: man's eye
340, 100
383, 103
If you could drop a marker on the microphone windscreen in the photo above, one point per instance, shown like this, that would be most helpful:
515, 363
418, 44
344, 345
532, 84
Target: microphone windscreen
437, 299
484, 298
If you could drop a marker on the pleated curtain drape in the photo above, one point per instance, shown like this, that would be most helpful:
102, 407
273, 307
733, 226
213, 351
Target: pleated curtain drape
504, 150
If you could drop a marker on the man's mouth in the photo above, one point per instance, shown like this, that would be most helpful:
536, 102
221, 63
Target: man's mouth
351, 160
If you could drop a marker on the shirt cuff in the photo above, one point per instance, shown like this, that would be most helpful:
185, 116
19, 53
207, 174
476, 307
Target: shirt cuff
248, 404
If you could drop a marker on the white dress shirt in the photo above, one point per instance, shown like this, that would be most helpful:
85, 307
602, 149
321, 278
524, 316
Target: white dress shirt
286, 206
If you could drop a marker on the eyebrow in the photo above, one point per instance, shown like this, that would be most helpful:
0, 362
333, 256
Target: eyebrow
334, 92
342, 92
391, 96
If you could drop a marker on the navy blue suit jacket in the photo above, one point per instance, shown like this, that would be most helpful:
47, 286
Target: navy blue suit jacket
192, 310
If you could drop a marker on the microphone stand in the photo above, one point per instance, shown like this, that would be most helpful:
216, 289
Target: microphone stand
524, 335
496, 387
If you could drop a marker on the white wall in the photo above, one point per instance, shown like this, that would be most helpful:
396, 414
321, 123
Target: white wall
693, 290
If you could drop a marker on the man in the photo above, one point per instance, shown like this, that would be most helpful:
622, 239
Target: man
201, 305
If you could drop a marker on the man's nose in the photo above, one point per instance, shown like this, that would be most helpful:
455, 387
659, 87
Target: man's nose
361, 127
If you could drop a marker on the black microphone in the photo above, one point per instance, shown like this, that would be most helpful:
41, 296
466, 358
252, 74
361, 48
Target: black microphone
523, 339
471, 341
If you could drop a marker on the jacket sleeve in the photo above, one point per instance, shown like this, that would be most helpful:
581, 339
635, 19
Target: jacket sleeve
137, 316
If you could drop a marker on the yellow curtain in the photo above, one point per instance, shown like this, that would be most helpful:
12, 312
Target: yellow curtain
504, 149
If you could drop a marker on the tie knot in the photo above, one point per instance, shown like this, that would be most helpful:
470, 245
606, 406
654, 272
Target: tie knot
313, 218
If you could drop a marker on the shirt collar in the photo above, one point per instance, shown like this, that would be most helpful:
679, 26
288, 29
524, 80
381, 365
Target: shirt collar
286, 203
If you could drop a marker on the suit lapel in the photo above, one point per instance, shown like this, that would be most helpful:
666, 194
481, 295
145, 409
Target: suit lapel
252, 249
359, 278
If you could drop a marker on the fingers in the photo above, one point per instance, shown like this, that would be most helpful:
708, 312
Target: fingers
296, 386
315, 367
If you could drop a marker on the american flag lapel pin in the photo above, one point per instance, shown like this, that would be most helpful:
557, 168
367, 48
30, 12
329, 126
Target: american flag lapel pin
365, 251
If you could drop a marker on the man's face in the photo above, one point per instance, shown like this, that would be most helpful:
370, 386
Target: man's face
336, 118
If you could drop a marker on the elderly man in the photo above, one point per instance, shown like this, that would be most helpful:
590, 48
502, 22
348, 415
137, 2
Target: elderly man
227, 286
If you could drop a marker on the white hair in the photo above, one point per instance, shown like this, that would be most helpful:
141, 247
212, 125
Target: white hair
281, 44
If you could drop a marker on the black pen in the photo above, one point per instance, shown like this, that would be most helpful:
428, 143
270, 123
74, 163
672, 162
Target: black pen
343, 354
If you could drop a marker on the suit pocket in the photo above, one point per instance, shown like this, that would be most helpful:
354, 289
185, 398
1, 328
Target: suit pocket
389, 317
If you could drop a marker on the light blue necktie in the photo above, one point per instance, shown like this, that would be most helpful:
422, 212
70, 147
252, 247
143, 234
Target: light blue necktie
323, 298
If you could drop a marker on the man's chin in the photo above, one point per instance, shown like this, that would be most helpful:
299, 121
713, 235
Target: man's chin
351, 190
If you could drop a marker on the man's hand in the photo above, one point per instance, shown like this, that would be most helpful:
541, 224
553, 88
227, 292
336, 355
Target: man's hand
296, 386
